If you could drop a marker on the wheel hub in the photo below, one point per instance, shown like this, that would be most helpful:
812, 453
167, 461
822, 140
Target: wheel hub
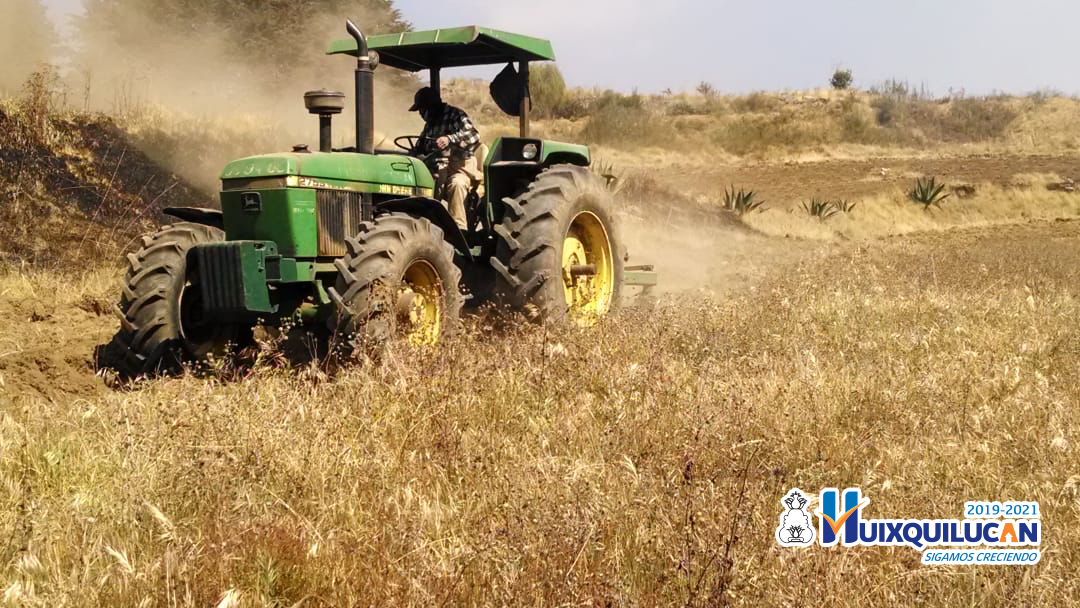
419, 303
588, 269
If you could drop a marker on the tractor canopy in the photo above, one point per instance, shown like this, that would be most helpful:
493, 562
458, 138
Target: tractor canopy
450, 47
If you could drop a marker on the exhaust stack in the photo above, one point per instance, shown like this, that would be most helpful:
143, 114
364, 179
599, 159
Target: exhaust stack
325, 104
365, 92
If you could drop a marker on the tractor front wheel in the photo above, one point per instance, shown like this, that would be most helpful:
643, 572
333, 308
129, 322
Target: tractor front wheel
161, 319
398, 279
559, 253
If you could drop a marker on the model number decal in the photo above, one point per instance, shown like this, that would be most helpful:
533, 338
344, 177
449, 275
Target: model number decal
399, 190
307, 182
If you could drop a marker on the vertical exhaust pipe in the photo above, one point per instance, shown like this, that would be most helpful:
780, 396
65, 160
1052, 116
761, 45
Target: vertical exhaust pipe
365, 92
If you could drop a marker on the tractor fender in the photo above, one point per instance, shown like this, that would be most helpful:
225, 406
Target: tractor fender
433, 211
197, 215
566, 158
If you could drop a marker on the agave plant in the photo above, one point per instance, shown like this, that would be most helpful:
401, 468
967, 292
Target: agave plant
822, 210
928, 192
741, 202
843, 206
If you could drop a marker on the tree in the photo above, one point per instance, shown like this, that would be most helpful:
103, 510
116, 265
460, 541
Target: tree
841, 79
547, 88
27, 40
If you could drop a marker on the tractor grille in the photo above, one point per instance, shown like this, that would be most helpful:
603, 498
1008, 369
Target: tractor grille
221, 273
339, 214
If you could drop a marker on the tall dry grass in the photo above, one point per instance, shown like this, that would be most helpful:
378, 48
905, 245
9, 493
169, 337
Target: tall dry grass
638, 462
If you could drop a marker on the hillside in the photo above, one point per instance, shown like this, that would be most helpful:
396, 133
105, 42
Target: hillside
76, 190
890, 120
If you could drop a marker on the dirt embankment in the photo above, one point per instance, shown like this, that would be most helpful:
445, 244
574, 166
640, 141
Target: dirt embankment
76, 190
75, 194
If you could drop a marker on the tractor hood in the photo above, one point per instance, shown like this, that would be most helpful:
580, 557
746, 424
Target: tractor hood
387, 173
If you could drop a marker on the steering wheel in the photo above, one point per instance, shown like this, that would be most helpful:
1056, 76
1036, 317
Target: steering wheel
411, 143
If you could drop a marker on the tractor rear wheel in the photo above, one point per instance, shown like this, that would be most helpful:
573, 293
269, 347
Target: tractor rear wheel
398, 278
559, 252
160, 309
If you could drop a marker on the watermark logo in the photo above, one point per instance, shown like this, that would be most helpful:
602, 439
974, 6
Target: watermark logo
796, 529
990, 533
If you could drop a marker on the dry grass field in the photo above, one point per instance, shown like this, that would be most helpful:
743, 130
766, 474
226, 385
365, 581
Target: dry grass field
930, 357
567, 466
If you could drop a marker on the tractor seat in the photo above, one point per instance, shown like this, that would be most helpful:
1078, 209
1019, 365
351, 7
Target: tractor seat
475, 165
475, 168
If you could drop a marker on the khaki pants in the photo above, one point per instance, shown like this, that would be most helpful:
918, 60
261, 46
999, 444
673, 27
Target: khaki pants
453, 188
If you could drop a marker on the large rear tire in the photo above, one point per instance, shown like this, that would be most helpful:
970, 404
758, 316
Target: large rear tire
559, 252
398, 279
160, 323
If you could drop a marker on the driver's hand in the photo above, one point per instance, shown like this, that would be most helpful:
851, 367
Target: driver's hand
442, 142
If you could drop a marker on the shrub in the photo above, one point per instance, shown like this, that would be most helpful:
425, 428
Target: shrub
572, 107
857, 122
685, 108
38, 103
622, 119
841, 79
547, 89
750, 133
756, 102
970, 120
887, 110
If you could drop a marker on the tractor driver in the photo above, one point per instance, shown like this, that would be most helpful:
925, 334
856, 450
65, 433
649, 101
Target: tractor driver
450, 131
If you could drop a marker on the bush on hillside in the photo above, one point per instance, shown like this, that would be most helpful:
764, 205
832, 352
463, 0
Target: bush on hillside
841, 79
622, 119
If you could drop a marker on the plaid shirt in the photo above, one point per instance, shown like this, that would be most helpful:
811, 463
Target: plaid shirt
455, 125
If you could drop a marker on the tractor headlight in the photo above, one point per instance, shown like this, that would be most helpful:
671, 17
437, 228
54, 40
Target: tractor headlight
529, 152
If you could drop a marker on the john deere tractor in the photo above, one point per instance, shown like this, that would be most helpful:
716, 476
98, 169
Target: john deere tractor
352, 243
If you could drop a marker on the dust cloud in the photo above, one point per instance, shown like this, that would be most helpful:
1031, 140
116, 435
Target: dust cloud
193, 100
27, 39
706, 255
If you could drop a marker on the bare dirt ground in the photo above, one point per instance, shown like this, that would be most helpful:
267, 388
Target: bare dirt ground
47, 342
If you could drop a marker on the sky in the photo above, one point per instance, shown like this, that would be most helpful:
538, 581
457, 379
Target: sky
977, 46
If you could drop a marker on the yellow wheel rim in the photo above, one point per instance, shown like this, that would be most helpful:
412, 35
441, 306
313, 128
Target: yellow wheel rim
420, 303
588, 268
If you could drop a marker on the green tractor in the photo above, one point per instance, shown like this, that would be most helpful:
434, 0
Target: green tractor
351, 242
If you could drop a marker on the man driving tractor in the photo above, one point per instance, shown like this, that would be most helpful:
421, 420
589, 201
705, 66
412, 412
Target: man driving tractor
449, 130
